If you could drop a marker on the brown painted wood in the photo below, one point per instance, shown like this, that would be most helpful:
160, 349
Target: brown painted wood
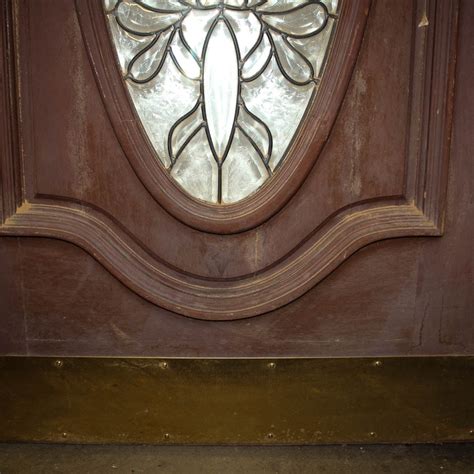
394, 297
323, 249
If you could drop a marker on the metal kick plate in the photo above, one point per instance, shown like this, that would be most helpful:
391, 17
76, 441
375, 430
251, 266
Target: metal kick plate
237, 401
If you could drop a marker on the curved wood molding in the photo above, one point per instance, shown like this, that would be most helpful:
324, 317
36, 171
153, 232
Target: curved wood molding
420, 213
300, 158
219, 299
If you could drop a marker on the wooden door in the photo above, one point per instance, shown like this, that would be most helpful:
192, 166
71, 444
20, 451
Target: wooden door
360, 243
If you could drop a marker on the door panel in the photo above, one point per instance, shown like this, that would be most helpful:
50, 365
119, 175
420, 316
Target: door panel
380, 173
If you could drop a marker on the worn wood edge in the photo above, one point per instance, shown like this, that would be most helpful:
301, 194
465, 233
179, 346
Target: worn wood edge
237, 401
219, 299
441, 111
301, 156
432, 99
10, 174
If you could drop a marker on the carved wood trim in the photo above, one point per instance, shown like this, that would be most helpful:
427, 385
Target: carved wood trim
10, 175
220, 299
301, 156
419, 214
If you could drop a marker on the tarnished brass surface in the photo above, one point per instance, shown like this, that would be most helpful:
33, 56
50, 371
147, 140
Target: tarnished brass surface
244, 401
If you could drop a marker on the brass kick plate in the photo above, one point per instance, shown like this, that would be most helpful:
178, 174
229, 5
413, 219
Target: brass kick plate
237, 401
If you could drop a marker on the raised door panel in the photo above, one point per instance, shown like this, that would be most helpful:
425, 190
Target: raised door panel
369, 163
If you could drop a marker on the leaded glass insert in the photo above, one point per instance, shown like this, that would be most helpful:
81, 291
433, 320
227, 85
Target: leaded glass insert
221, 86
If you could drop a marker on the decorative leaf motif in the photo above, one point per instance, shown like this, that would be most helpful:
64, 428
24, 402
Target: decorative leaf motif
299, 22
254, 66
257, 60
195, 27
257, 132
145, 65
293, 65
184, 58
183, 131
135, 19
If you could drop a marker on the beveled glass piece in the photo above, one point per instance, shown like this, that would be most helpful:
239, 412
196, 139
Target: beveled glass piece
184, 59
294, 66
148, 61
246, 28
132, 17
221, 86
195, 27
299, 22
257, 60
281, 5
221, 82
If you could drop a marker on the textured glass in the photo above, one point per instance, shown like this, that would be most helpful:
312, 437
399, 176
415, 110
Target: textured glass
221, 86
242, 171
279, 104
314, 48
160, 104
256, 131
196, 169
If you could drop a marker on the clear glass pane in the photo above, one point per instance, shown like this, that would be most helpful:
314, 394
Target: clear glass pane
221, 86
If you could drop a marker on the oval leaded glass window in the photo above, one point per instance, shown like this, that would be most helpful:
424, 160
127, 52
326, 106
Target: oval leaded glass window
221, 86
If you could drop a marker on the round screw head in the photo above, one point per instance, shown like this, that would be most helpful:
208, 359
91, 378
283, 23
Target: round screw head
163, 365
271, 365
378, 363
58, 363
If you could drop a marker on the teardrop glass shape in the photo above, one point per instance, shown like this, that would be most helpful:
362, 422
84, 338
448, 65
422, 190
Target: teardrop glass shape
221, 86
221, 82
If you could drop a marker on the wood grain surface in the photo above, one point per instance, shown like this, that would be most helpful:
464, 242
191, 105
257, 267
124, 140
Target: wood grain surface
386, 156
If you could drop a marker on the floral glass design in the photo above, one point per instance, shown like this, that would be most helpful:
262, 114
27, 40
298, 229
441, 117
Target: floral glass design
221, 86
